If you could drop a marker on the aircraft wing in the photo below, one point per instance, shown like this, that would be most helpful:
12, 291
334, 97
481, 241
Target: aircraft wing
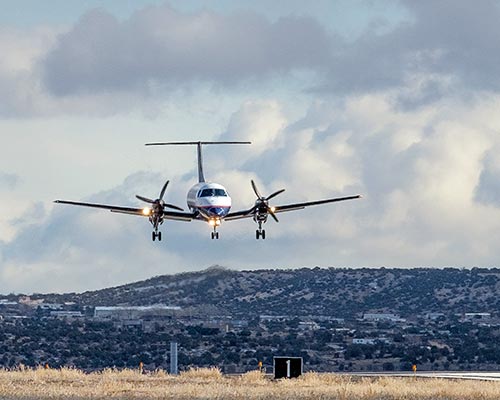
178, 216
300, 206
288, 207
239, 215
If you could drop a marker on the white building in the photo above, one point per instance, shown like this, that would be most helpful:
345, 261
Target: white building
382, 317
66, 314
134, 312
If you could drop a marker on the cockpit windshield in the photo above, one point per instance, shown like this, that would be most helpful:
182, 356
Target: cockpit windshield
212, 192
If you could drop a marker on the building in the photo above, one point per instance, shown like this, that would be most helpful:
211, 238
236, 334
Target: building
308, 326
66, 314
375, 317
371, 341
134, 312
274, 318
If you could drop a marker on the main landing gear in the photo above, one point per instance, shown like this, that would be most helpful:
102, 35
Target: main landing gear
156, 235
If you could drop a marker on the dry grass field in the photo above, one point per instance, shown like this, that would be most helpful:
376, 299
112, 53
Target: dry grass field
211, 384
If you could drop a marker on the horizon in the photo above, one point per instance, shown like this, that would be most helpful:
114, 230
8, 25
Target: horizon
228, 269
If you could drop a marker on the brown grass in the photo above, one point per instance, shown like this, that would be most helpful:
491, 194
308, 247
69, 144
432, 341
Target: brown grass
209, 383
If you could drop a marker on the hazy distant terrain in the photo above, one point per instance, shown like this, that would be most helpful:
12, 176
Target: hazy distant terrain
335, 319
334, 292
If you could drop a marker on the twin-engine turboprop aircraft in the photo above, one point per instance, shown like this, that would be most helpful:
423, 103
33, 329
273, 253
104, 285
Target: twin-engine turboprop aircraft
209, 202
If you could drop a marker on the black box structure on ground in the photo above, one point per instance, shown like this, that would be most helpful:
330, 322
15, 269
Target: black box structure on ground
287, 367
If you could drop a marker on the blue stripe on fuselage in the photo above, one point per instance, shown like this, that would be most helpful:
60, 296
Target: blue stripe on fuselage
214, 211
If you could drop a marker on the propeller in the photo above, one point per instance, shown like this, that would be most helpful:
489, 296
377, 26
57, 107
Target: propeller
159, 204
262, 202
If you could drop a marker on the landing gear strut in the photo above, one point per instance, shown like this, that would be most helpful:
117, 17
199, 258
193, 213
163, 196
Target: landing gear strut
215, 234
260, 233
215, 223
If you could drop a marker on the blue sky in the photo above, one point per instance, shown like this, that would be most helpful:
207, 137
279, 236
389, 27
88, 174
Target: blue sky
347, 17
396, 100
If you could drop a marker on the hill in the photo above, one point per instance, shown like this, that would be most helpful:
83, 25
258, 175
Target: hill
338, 292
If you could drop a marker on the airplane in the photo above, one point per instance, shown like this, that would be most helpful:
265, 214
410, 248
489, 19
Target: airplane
208, 202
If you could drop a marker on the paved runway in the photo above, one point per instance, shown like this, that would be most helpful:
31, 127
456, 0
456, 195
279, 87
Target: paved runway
480, 375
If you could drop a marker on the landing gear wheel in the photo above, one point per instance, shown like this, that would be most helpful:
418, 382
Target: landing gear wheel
260, 234
155, 235
215, 235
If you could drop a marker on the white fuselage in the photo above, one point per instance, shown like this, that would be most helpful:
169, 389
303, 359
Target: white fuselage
209, 200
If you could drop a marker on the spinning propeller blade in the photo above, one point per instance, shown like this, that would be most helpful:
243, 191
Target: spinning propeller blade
159, 201
264, 201
145, 199
163, 189
275, 194
256, 191
168, 205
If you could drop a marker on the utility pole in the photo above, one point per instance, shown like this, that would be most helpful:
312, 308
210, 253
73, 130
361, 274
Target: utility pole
173, 358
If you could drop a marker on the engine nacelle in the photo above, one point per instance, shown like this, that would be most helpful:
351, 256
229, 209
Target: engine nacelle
261, 213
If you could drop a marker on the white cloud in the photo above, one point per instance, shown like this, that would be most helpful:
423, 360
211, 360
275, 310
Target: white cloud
420, 204
408, 117
161, 46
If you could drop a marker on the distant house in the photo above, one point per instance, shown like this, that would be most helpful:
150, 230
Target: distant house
435, 316
363, 341
274, 318
66, 314
382, 317
308, 326
476, 317
28, 301
371, 341
50, 306
134, 312
127, 323
6, 302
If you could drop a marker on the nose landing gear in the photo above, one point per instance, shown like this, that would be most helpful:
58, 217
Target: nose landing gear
215, 223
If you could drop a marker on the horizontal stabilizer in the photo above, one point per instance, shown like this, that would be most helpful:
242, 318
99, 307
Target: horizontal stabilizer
194, 143
201, 176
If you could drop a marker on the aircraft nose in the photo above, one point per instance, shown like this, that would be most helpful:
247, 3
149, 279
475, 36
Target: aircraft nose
218, 211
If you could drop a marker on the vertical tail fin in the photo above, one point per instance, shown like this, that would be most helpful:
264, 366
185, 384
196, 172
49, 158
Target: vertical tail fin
201, 176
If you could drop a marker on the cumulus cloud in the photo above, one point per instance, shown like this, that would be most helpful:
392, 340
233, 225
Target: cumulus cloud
443, 48
8, 181
397, 126
488, 189
159, 45
102, 65
421, 173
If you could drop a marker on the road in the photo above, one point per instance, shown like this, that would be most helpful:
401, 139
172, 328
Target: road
480, 375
